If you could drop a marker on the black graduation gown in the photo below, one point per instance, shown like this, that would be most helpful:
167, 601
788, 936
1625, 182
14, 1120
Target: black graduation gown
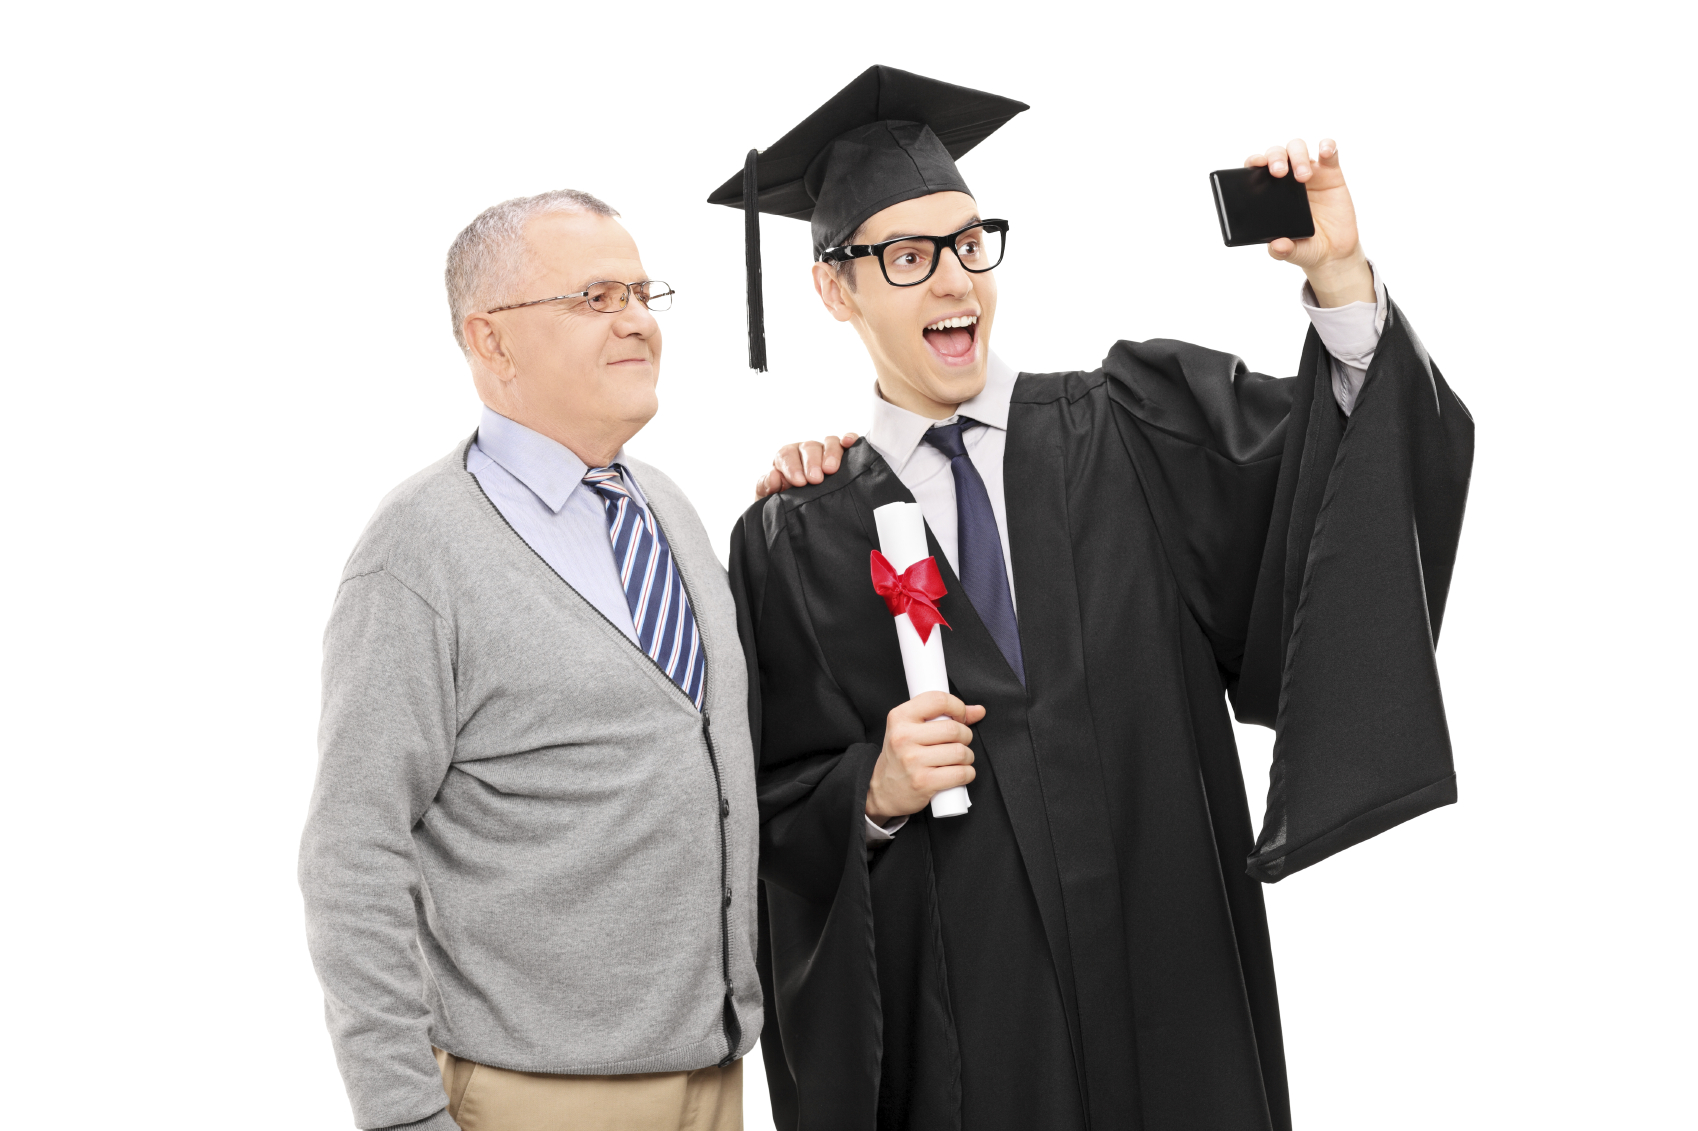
1088, 947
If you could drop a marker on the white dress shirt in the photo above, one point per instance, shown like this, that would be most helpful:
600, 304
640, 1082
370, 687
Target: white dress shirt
1350, 334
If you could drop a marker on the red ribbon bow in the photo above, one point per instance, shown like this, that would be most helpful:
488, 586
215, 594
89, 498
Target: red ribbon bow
913, 591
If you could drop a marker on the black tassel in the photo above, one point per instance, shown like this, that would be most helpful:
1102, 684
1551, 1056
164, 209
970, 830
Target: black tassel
752, 263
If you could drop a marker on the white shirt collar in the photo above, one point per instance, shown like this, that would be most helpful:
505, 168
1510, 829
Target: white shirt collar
895, 432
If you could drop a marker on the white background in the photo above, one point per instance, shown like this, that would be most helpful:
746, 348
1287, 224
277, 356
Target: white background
227, 338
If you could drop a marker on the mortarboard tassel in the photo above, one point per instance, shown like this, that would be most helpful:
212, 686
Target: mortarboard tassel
752, 263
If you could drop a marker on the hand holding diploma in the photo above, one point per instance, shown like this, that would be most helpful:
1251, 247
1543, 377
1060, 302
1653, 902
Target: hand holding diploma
931, 761
927, 749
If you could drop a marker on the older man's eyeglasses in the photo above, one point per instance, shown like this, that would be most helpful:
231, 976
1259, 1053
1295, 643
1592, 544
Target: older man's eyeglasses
609, 297
910, 260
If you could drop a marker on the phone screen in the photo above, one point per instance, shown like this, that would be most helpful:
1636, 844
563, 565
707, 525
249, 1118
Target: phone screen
1255, 206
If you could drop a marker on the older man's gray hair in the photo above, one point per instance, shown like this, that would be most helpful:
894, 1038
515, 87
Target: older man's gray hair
486, 259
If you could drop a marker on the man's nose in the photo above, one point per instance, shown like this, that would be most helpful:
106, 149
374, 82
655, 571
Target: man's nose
635, 320
951, 278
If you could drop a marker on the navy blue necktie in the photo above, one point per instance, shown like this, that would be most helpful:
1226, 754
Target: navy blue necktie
978, 553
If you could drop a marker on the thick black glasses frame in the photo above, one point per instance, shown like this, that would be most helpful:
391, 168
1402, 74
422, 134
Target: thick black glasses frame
876, 250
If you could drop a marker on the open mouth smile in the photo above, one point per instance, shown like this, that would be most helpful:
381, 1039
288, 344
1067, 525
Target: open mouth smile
952, 339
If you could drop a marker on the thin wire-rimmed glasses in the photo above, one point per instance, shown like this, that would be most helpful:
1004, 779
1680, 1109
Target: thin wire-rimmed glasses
909, 261
610, 296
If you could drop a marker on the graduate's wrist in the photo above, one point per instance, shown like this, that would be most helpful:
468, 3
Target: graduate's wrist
1343, 281
876, 812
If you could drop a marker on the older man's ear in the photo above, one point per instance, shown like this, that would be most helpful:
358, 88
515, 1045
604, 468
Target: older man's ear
808, 461
488, 351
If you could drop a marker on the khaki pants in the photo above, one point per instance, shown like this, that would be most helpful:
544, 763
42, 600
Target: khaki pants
481, 1098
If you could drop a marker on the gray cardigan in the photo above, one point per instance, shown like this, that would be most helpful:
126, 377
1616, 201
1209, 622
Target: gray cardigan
525, 845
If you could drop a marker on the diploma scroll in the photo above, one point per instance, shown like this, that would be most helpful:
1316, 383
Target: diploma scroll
902, 540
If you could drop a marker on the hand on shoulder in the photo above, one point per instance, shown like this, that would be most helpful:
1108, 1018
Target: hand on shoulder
804, 462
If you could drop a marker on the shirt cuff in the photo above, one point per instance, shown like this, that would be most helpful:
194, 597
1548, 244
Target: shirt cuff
1350, 334
879, 834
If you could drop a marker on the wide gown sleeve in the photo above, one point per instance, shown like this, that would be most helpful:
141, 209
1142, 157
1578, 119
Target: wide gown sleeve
1315, 551
813, 765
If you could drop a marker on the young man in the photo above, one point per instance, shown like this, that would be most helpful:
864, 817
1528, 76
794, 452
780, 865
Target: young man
1122, 550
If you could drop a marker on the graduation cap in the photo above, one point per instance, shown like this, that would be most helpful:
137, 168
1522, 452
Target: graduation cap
887, 137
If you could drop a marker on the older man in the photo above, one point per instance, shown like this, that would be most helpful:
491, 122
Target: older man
529, 866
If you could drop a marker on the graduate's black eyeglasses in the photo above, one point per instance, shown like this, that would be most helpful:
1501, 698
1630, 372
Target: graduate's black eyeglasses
910, 260
610, 297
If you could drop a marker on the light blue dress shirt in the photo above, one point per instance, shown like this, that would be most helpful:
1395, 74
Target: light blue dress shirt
538, 486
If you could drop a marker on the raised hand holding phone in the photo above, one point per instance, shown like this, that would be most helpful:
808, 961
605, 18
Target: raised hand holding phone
1332, 258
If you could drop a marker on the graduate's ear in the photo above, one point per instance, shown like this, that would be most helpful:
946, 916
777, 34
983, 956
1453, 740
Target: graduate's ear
832, 291
488, 347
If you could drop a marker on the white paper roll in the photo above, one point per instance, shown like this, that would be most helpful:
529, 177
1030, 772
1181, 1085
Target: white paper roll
902, 540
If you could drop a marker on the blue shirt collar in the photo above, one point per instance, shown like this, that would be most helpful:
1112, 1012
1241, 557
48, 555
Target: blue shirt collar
549, 469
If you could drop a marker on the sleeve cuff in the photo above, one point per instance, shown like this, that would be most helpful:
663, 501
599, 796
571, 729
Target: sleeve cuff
879, 834
441, 1121
1350, 333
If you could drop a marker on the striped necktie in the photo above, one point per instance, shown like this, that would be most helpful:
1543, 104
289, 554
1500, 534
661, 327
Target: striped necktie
654, 589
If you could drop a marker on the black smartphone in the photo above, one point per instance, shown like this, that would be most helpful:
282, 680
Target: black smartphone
1257, 207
